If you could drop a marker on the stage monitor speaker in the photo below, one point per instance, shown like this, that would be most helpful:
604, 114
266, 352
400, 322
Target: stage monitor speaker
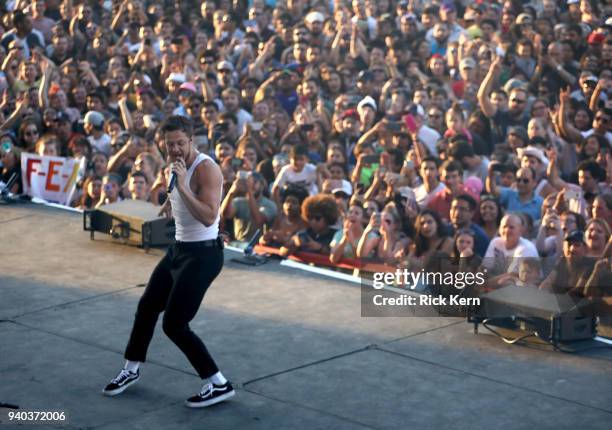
134, 222
555, 317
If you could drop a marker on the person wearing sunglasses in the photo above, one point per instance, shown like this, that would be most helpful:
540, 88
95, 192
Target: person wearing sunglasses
602, 123
517, 105
28, 134
523, 199
22, 36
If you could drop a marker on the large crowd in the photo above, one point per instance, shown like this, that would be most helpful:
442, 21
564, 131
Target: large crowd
392, 131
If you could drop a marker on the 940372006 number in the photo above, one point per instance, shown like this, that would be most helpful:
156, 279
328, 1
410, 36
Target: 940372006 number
34, 416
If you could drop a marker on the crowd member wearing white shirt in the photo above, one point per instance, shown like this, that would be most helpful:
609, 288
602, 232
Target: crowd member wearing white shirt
231, 104
94, 127
448, 14
431, 181
505, 251
362, 19
298, 171
425, 134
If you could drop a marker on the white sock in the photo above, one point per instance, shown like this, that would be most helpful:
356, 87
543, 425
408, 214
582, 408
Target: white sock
218, 379
132, 366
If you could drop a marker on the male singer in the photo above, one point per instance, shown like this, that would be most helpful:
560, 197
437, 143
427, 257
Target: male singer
181, 278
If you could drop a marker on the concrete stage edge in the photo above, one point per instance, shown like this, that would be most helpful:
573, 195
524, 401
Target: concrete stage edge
293, 343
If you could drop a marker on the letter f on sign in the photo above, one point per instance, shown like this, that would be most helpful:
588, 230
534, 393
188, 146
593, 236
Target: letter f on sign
30, 169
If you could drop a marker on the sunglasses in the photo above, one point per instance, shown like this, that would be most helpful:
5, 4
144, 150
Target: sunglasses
523, 180
31, 133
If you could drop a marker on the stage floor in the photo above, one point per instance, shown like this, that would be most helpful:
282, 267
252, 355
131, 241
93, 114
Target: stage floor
293, 343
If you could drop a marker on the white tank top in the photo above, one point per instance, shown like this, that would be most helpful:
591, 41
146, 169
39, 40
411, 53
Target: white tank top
189, 229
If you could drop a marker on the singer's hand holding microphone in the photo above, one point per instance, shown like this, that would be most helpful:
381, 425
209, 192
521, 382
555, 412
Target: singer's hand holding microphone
177, 173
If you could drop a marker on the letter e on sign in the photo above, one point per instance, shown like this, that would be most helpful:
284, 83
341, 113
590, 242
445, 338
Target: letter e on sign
49, 186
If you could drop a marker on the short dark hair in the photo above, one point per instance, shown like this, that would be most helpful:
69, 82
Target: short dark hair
295, 190
97, 94
225, 141
139, 173
469, 199
452, 166
460, 149
575, 27
431, 10
340, 165
491, 22
177, 123
298, 150
229, 116
431, 159
397, 156
18, 17
591, 166
211, 104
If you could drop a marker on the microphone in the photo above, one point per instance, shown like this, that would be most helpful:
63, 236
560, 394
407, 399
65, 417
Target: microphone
172, 182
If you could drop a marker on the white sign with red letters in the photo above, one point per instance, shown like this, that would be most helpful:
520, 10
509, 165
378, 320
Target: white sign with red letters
50, 178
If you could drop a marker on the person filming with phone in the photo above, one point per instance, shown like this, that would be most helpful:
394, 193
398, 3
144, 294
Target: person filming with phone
246, 205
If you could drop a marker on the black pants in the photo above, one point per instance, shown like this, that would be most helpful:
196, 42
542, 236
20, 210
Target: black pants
177, 286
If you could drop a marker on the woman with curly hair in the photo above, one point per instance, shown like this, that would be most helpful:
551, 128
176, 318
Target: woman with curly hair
319, 212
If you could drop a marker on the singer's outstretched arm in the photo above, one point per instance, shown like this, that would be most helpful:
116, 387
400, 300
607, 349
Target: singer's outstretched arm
206, 182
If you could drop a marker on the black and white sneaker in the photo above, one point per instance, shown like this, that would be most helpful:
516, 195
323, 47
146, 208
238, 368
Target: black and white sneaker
121, 382
211, 394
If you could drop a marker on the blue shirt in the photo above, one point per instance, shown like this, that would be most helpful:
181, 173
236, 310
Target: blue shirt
288, 102
436, 48
509, 198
